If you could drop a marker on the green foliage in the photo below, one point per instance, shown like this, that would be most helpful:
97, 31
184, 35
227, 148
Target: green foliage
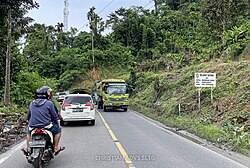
161, 50
222, 15
235, 40
24, 90
245, 98
96, 25
66, 59
230, 99
237, 136
67, 79
14, 110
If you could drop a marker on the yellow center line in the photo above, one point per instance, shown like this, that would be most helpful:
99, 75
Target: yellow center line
107, 126
117, 143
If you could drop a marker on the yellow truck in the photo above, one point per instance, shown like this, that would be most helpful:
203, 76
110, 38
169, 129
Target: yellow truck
112, 94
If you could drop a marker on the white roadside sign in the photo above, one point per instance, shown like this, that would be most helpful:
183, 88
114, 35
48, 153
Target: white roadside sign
205, 79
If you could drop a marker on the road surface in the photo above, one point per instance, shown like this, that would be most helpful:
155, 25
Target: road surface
118, 135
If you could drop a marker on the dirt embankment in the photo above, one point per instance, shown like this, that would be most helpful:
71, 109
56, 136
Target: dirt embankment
12, 129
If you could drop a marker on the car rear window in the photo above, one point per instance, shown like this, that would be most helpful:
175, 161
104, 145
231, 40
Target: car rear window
77, 100
62, 93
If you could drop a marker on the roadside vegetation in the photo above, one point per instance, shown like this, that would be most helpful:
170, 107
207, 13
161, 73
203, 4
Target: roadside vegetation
157, 51
172, 98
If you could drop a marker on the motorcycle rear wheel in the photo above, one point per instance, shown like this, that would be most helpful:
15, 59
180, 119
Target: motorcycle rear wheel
38, 162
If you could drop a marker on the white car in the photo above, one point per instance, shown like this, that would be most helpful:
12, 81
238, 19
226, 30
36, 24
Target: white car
59, 96
78, 107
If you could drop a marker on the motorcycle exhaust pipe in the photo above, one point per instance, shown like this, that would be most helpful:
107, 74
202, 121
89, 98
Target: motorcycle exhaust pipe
46, 155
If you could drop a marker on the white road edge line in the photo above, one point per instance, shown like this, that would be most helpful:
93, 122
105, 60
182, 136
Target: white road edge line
10, 152
152, 123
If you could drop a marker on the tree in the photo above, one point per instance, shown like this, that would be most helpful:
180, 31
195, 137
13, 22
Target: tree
96, 26
222, 15
9, 7
59, 30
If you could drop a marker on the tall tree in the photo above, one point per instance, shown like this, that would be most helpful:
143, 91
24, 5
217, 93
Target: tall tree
8, 59
20, 8
222, 15
96, 26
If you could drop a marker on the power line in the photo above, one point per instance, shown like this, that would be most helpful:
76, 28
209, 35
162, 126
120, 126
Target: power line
148, 3
106, 6
99, 12
151, 7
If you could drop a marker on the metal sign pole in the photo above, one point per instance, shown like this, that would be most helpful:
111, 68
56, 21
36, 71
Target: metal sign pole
179, 109
212, 95
199, 95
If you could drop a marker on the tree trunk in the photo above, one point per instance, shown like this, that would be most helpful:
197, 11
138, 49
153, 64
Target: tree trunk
156, 7
8, 61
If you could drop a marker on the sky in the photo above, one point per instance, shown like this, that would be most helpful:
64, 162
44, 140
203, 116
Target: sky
50, 12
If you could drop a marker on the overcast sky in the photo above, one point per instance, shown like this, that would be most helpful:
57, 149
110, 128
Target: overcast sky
50, 12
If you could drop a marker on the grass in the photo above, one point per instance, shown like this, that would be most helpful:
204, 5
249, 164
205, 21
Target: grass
231, 99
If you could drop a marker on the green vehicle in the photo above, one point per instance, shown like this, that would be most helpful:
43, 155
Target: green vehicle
112, 94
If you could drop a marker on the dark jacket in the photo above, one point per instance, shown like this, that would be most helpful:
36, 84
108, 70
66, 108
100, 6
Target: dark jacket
41, 113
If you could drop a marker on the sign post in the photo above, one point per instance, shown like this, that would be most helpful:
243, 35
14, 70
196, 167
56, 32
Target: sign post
212, 95
199, 98
205, 80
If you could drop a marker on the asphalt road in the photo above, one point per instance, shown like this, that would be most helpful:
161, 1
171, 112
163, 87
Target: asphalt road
118, 134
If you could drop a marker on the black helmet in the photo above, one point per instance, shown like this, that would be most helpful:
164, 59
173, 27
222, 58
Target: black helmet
42, 92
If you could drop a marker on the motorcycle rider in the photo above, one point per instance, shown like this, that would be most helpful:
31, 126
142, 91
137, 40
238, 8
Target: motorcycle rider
43, 114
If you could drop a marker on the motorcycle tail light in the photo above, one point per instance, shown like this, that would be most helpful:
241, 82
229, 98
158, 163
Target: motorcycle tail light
39, 131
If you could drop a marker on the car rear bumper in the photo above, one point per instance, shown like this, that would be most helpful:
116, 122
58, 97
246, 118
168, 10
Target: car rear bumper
78, 119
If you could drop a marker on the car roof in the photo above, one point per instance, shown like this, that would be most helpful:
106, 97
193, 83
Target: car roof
60, 92
78, 95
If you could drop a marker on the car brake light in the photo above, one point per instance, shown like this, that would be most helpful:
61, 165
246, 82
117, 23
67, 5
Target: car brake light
91, 106
64, 105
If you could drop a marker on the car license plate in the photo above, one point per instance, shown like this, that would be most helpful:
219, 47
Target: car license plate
34, 143
78, 110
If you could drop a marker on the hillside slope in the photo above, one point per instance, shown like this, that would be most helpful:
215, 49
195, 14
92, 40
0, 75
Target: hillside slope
172, 98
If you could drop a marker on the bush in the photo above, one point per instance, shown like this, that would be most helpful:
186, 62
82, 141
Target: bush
67, 79
23, 91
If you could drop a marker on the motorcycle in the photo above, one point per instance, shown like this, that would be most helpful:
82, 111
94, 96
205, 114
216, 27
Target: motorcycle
41, 148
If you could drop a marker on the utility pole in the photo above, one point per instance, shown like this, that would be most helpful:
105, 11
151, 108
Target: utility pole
66, 15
